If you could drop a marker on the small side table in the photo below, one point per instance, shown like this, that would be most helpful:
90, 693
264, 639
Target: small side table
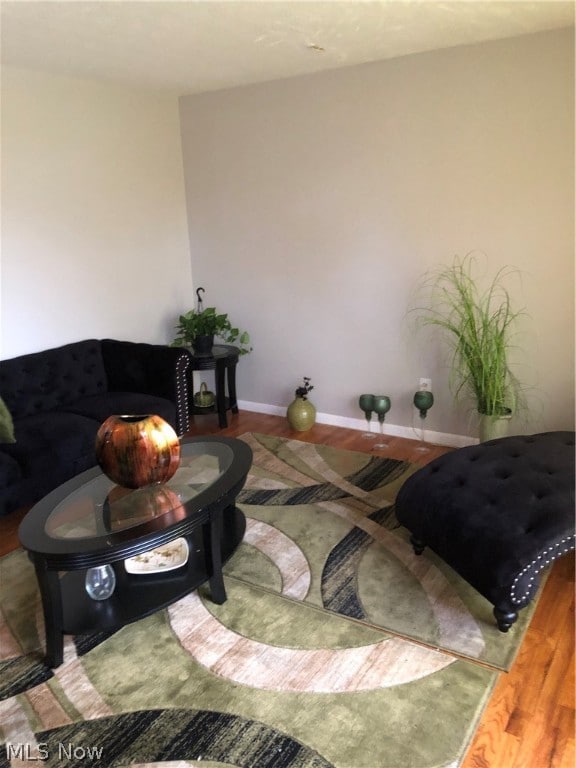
223, 358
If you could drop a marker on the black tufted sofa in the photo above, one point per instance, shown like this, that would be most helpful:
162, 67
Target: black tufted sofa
498, 513
59, 397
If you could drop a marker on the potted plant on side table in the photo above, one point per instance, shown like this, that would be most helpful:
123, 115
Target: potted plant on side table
479, 326
198, 327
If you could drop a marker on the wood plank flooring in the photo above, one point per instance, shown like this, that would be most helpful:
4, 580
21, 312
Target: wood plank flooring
529, 721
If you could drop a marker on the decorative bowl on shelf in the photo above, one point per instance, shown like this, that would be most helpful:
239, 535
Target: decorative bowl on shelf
167, 557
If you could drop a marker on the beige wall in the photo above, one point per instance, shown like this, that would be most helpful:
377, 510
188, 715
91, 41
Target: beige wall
94, 233
316, 203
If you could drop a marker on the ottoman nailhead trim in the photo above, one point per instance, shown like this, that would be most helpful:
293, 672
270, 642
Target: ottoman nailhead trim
557, 553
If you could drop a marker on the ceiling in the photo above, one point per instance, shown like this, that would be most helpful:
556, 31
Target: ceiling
192, 46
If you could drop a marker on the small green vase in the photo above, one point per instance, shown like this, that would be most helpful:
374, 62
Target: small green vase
301, 414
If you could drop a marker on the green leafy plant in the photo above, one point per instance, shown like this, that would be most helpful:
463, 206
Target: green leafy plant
479, 326
208, 322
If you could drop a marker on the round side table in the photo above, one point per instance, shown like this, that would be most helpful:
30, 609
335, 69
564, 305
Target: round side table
223, 359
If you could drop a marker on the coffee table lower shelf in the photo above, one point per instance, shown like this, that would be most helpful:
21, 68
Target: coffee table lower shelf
136, 595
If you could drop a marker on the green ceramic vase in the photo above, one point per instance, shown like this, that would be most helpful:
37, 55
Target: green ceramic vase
301, 414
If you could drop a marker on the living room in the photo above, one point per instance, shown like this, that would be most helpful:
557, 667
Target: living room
334, 191
308, 206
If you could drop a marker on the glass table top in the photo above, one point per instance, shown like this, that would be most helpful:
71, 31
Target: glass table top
98, 506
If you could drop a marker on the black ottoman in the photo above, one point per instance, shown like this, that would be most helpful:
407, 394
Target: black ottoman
498, 513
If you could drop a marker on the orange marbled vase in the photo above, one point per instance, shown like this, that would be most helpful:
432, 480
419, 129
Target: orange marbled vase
137, 450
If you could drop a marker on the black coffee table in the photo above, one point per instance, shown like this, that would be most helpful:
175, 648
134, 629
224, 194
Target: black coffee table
89, 522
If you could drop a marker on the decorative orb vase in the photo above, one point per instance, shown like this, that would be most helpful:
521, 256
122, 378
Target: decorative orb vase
301, 414
139, 450
100, 582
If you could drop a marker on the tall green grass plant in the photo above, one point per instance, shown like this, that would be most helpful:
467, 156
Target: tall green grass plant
479, 325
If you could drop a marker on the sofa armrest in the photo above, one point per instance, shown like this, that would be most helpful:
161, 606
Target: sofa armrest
152, 369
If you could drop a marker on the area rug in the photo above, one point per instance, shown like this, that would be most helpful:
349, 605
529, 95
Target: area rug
322, 530
263, 681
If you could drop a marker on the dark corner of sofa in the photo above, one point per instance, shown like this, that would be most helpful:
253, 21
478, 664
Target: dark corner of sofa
55, 400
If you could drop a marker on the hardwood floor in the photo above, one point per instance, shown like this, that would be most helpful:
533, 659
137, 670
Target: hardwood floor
529, 721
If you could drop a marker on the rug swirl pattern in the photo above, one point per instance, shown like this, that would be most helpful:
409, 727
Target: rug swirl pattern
293, 671
308, 492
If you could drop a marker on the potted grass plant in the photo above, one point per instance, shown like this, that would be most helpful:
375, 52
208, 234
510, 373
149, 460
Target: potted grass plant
479, 325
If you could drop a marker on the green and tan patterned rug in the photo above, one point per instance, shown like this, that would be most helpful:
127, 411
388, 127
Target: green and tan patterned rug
322, 529
298, 669
259, 682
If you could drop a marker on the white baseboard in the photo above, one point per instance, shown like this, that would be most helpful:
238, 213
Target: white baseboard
438, 438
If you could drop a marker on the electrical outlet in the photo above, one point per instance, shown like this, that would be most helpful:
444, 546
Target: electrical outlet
425, 385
